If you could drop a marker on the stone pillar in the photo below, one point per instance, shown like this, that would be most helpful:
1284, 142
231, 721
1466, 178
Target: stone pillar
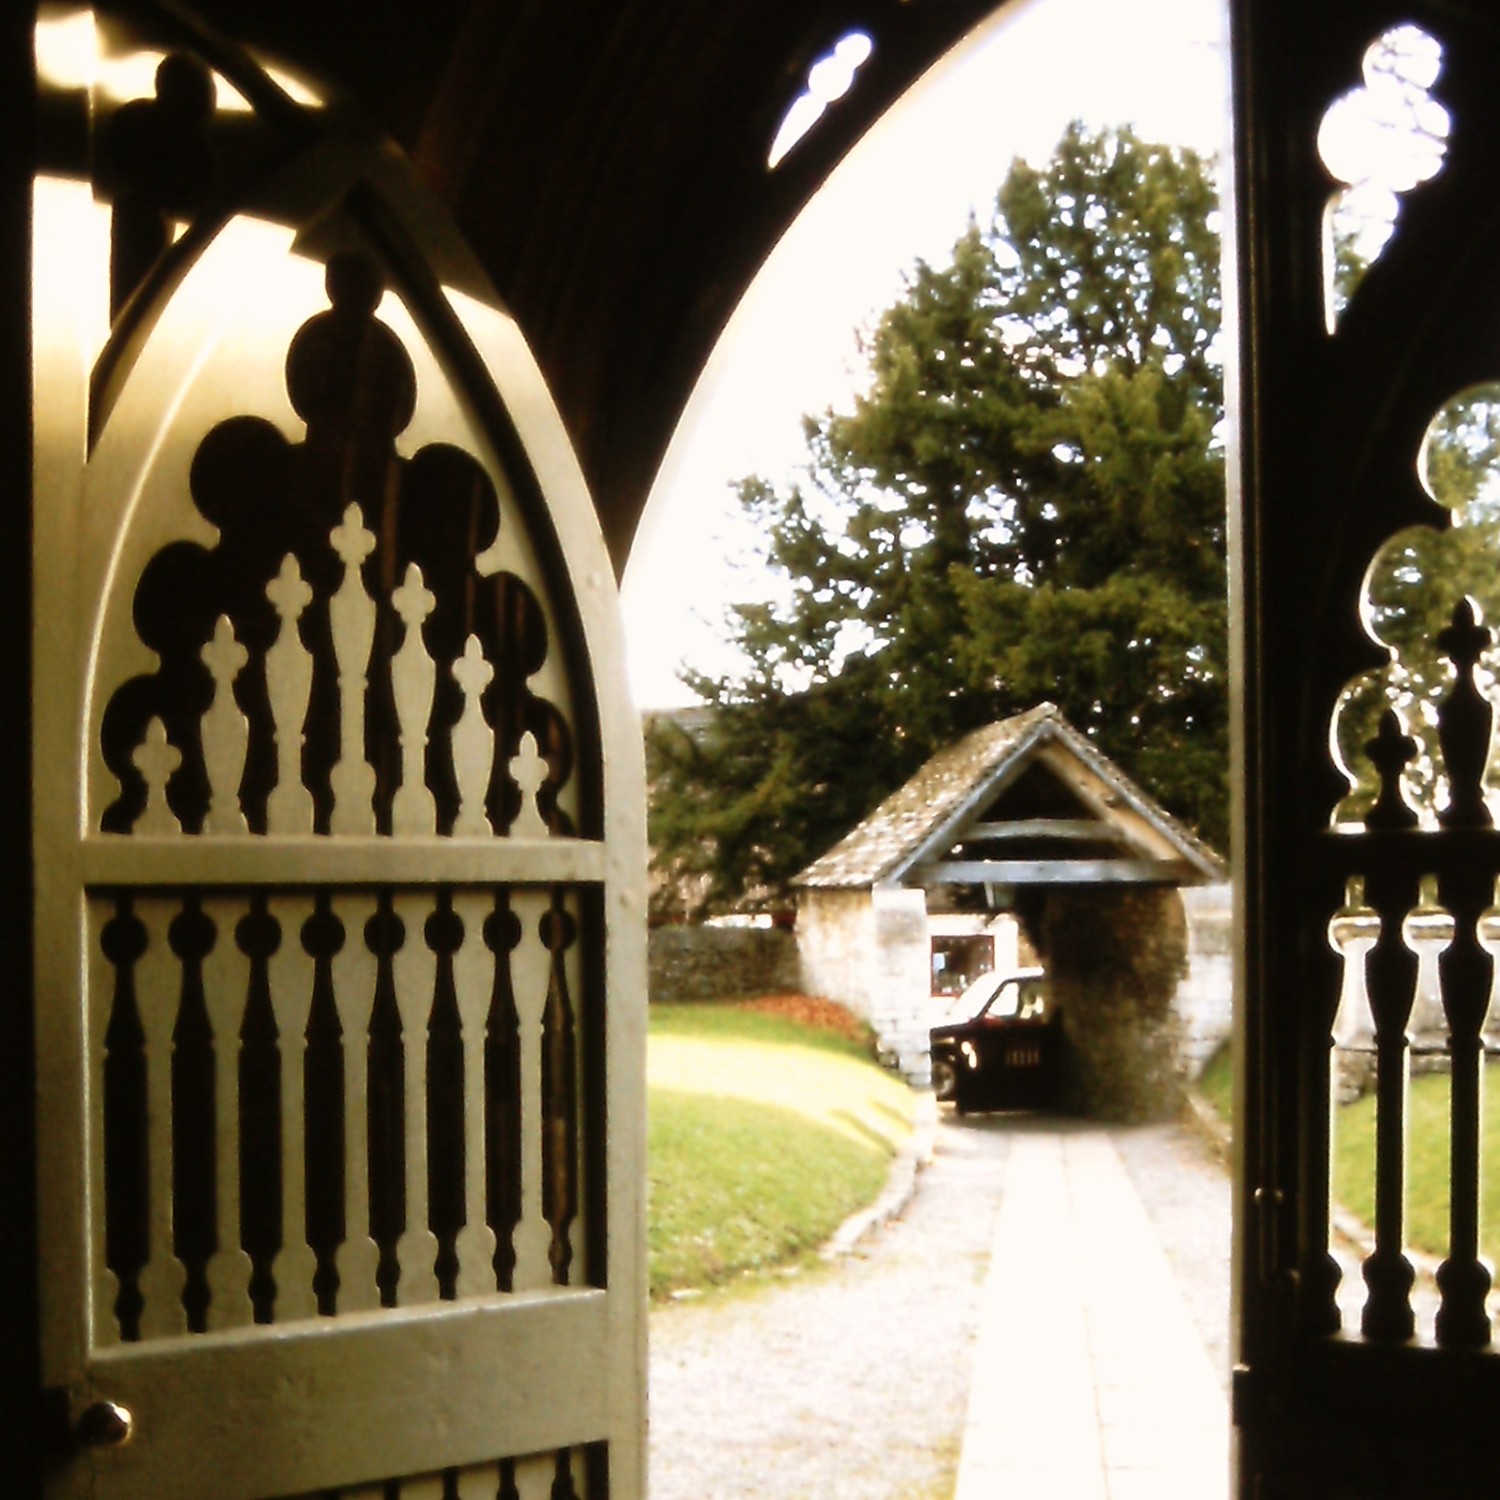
901, 981
1353, 1025
1114, 957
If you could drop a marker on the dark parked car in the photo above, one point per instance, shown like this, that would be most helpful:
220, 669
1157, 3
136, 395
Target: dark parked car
1001, 1047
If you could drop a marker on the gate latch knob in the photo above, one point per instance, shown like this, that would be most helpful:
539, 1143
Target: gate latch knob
105, 1425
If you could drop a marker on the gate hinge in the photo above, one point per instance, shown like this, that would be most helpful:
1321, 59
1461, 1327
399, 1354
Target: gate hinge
1244, 1395
55, 1419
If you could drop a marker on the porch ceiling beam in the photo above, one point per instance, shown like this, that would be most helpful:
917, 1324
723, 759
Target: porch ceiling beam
1057, 872
1042, 828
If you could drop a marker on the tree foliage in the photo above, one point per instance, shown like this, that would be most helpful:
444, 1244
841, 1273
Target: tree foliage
1024, 503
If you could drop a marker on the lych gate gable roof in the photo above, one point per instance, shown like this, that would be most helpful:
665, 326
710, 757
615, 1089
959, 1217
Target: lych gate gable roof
917, 834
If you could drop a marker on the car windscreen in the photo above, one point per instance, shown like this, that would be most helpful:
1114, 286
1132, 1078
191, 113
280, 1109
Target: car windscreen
998, 995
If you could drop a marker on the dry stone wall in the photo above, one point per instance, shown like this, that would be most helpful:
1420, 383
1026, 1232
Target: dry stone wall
721, 963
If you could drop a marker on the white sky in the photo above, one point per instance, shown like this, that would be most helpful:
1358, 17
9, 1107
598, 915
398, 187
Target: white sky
904, 193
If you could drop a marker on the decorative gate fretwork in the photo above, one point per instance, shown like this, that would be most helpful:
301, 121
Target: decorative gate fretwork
334, 664
260, 1162
1380, 140
561, 1476
1367, 852
297, 1090
1414, 850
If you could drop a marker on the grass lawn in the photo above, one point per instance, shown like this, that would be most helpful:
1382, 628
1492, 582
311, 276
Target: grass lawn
1216, 1083
1426, 1159
1426, 1166
765, 1134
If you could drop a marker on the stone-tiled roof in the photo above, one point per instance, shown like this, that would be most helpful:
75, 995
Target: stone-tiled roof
931, 809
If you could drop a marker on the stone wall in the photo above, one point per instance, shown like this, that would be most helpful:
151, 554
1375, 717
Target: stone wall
720, 963
1205, 997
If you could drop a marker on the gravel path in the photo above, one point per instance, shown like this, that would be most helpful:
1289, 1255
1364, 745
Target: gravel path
850, 1382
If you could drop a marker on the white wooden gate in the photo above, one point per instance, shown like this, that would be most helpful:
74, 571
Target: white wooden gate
338, 828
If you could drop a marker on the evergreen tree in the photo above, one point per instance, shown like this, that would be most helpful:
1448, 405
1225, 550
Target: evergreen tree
1025, 503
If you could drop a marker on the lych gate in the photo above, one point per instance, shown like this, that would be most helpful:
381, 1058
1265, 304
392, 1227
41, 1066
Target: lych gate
1024, 816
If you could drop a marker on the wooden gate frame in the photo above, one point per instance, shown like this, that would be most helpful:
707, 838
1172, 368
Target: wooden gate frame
554, 845
1331, 412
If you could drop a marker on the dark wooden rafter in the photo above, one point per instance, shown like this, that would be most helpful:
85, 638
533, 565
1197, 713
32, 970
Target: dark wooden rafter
607, 164
1041, 828
1054, 872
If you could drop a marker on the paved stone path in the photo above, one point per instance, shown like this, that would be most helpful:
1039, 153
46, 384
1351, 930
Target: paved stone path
1114, 1397
852, 1381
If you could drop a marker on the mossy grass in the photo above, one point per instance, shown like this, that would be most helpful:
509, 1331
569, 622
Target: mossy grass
764, 1136
1216, 1082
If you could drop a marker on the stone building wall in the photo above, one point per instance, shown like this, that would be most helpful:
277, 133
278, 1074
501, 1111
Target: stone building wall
709, 962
